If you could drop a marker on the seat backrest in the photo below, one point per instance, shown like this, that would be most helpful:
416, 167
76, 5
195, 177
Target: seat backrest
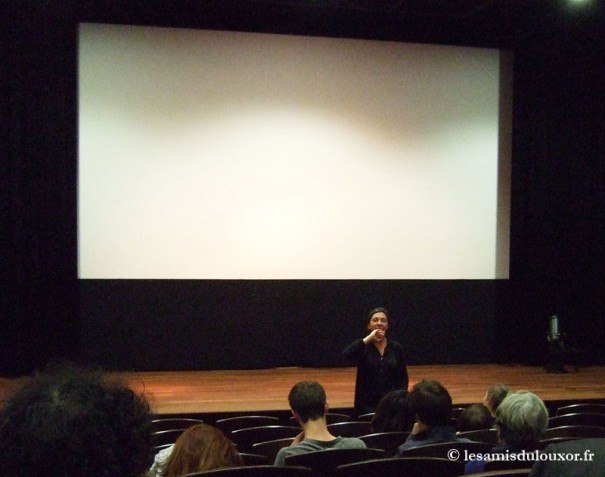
271, 448
366, 417
504, 473
481, 435
157, 449
331, 418
542, 443
168, 436
444, 449
230, 424
255, 471
350, 428
387, 441
324, 462
254, 459
593, 408
507, 464
397, 466
573, 431
164, 424
245, 438
577, 419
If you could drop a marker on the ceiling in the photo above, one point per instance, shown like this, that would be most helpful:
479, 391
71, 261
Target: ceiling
497, 23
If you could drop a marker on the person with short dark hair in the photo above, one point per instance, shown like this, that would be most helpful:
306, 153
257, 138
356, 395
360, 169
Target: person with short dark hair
309, 407
70, 422
380, 363
393, 413
431, 404
475, 417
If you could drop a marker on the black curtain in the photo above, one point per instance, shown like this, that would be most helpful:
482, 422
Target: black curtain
558, 222
38, 220
558, 198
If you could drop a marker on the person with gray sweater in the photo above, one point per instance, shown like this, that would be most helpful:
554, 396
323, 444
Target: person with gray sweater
309, 406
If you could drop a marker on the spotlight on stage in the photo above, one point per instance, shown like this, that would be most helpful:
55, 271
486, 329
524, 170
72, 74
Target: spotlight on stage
553, 334
559, 352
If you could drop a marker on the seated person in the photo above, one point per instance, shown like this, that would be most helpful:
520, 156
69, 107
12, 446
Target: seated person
590, 461
475, 417
494, 396
309, 407
520, 419
201, 447
393, 413
69, 422
431, 405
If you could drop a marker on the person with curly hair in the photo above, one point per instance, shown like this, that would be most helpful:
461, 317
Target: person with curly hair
69, 422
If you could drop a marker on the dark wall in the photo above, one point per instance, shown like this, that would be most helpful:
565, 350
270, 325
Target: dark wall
557, 229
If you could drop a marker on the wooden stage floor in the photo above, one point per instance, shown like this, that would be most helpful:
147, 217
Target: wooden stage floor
266, 390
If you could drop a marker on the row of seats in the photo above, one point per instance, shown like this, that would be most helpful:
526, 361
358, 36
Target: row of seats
327, 464
585, 407
245, 438
580, 407
259, 428
240, 422
258, 449
421, 461
260, 443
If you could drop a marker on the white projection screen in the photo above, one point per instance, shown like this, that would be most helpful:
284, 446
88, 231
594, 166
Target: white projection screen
228, 155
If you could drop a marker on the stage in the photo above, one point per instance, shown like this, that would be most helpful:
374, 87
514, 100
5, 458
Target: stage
215, 393
267, 389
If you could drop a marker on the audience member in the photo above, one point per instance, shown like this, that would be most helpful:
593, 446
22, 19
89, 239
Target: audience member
309, 407
588, 459
201, 447
69, 422
494, 396
380, 363
520, 419
475, 417
431, 405
393, 413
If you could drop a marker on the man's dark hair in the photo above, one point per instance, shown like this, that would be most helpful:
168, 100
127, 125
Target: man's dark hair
393, 413
308, 400
474, 417
71, 422
431, 402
